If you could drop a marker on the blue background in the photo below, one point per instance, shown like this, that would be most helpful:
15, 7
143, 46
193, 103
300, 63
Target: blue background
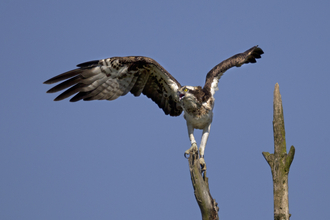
124, 159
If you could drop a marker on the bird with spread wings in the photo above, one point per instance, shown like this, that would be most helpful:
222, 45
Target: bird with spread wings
107, 79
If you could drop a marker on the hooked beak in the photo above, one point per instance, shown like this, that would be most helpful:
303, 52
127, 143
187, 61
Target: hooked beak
181, 95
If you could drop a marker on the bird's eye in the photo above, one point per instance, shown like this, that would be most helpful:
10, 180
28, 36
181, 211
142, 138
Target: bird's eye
185, 90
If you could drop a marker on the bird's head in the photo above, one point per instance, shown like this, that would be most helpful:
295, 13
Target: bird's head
190, 95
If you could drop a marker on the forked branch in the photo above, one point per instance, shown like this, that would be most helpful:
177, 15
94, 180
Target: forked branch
280, 161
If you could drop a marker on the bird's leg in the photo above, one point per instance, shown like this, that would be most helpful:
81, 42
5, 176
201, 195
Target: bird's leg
205, 136
192, 140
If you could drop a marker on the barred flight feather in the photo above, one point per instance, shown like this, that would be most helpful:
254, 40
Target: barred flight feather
111, 78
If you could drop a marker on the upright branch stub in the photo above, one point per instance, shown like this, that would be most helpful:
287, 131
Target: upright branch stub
280, 161
208, 206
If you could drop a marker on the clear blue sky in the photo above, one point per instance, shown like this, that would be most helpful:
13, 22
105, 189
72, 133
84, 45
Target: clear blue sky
124, 159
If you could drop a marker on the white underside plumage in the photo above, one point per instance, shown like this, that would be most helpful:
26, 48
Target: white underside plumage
197, 116
199, 122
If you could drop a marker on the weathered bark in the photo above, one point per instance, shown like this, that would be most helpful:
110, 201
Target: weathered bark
280, 161
208, 206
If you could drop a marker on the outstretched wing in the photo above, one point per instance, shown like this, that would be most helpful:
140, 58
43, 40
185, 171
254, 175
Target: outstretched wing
110, 78
212, 78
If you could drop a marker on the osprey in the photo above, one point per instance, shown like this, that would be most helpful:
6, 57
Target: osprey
107, 79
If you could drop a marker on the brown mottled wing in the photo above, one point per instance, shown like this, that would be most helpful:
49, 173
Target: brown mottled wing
110, 78
212, 78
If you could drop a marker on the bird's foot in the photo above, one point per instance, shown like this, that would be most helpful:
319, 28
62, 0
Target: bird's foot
193, 148
202, 163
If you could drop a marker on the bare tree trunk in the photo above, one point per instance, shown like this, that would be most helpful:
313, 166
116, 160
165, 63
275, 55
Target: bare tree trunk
280, 161
208, 206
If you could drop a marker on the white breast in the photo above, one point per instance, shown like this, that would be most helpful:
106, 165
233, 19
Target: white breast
199, 121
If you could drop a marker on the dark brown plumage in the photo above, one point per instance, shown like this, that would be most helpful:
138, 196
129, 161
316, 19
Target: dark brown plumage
237, 60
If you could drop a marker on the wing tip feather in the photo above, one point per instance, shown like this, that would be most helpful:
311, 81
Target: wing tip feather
63, 76
51, 91
47, 82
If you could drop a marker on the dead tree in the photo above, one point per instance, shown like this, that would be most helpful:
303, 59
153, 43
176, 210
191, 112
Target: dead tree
280, 161
208, 206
